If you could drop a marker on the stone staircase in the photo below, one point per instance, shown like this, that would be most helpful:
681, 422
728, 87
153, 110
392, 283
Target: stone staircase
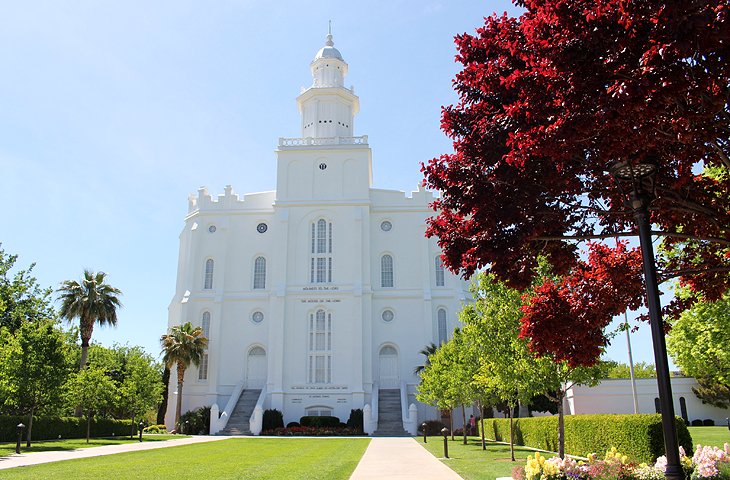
238, 422
390, 423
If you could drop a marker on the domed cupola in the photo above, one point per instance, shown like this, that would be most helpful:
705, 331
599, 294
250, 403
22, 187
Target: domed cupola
327, 107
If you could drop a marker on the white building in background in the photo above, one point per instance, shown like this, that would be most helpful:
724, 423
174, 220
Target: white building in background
615, 396
318, 294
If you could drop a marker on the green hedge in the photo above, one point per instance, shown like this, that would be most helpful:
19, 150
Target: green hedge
637, 436
323, 421
49, 428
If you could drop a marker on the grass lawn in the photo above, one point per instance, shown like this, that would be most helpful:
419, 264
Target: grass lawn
72, 444
471, 462
255, 458
715, 436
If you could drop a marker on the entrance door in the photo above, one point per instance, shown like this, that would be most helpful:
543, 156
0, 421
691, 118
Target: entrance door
256, 368
389, 367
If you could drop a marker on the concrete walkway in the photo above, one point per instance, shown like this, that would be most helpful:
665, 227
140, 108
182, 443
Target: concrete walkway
400, 458
25, 459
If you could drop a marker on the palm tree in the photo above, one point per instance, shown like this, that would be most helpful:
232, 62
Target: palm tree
90, 301
426, 351
184, 345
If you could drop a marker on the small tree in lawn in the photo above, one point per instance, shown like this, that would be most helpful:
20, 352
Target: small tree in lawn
92, 390
33, 368
141, 390
506, 366
436, 387
182, 346
698, 343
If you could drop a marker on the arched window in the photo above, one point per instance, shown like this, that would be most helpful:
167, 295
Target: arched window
259, 273
321, 259
386, 271
439, 272
320, 347
208, 282
441, 317
205, 324
203, 367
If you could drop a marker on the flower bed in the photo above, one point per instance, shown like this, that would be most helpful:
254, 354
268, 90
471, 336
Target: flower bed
707, 463
312, 431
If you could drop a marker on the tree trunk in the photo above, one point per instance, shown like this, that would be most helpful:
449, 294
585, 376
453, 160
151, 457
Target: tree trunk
451, 423
463, 422
85, 339
561, 426
30, 427
481, 424
88, 425
511, 433
180, 377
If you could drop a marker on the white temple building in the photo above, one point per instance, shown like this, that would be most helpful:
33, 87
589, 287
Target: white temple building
316, 297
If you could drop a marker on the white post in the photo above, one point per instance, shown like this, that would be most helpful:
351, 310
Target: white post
631, 365
412, 420
367, 419
214, 413
257, 420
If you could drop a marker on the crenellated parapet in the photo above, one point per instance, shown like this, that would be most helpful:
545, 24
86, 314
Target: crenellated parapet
229, 200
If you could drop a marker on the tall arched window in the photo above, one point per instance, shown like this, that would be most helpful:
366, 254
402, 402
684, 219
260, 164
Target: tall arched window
439, 272
203, 367
441, 318
259, 273
321, 260
205, 324
386, 271
320, 347
208, 282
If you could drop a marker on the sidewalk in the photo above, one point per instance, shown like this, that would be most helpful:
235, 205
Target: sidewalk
25, 459
400, 458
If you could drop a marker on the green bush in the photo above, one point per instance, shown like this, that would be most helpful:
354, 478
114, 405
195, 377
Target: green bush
198, 422
155, 429
356, 419
637, 436
49, 428
323, 421
433, 427
272, 419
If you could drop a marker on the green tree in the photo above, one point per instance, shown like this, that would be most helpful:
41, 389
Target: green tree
93, 390
33, 368
90, 301
141, 389
698, 344
611, 369
181, 346
21, 298
506, 368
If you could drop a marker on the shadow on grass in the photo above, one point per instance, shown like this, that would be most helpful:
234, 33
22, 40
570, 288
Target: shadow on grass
65, 445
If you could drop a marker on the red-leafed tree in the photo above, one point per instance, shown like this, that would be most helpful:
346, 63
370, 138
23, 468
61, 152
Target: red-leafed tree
548, 103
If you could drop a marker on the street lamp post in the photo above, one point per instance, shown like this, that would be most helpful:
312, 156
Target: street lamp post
20, 436
423, 426
639, 200
141, 427
445, 433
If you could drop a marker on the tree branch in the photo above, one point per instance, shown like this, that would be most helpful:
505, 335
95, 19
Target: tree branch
722, 241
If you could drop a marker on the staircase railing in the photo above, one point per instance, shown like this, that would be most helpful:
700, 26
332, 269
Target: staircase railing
370, 412
256, 422
409, 414
225, 415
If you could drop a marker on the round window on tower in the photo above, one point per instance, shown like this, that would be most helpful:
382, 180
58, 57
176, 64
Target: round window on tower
257, 316
261, 227
388, 315
212, 229
386, 226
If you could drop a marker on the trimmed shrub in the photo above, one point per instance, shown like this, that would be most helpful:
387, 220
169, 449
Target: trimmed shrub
51, 428
272, 419
433, 427
293, 425
155, 429
637, 436
696, 422
324, 421
708, 422
198, 422
312, 432
356, 419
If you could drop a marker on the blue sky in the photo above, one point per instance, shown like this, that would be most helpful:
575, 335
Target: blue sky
112, 113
